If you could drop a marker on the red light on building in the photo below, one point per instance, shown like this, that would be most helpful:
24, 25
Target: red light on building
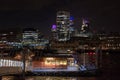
94, 53
91, 53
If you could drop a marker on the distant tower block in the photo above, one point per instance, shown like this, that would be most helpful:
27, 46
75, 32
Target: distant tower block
63, 25
54, 32
85, 26
71, 29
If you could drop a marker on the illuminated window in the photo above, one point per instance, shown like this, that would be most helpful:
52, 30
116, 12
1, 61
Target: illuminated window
64, 63
57, 62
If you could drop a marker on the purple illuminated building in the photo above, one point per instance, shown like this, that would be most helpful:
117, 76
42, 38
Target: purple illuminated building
54, 31
54, 27
85, 21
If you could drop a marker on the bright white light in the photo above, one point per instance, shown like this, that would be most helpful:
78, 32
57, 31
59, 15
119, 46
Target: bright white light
50, 58
10, 63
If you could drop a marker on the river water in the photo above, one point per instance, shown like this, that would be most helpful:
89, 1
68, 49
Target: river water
50, 78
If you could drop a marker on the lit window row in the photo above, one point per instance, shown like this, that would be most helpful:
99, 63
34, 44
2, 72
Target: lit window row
114, 45
10, 63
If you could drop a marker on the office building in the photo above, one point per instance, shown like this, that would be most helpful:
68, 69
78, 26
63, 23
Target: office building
63, 25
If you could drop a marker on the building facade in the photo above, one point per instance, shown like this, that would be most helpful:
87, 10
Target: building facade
64, 26
29, 35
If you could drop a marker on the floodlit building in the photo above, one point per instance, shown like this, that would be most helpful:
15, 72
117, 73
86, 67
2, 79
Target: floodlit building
63, 25
54, 61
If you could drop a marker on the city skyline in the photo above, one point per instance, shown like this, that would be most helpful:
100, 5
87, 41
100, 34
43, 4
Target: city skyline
103, 15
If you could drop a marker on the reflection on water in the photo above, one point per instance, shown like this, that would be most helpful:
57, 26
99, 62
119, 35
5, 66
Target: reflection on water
53, 78
49, 78
7, 77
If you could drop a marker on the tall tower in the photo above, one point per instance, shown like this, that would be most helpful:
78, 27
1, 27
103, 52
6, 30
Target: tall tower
71, 28
85, 26
63, 25
54, 32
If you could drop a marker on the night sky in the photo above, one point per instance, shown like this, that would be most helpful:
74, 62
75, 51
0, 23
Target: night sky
18, 14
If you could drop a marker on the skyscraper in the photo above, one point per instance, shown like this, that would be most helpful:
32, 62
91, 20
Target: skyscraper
54, 32
63, 29
63, 24
85, 26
